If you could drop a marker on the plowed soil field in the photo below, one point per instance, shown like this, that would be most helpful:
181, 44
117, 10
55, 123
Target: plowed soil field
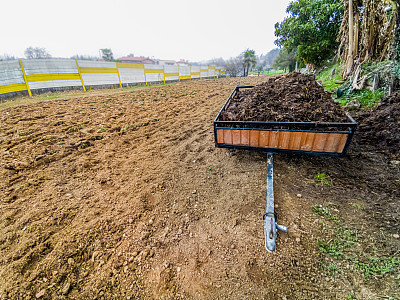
121, 194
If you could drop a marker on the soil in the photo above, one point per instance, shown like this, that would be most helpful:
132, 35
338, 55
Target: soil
293, 97
121, 194
379, 128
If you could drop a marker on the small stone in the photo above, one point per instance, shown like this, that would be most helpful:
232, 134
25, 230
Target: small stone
396, 236
232, 246
68, 195
126, 269
179, 231
150, 221
178, 269
94, 255
194, 192
298, 240
40, 294
65, 289
145, 253
299, 195
135, 253
71, 261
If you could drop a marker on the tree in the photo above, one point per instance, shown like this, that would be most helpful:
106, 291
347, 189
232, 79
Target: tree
286, 60
84, 57
7, 57
268, 59
233, 66
36, 53
249, 61
259, 69
311, 29
369, 32
107, 54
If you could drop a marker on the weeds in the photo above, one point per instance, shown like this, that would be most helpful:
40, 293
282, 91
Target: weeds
377, 266
343, 242
325, 212
322, 178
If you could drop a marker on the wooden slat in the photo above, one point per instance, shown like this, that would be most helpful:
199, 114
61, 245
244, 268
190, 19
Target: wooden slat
295, 140
308, 137
264, 138
342, 143
244, 137
332, 142
273, 139
283, 142
254, 138
227, 136
320, 141
236, 137
220, 136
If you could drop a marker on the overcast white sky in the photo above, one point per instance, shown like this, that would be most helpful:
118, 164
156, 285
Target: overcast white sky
170, 29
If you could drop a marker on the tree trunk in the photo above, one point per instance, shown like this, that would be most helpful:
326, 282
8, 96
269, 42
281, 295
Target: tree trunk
355, 38
396, 40
351, 40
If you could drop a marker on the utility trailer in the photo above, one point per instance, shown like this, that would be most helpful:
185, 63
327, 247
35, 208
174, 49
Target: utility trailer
315, 138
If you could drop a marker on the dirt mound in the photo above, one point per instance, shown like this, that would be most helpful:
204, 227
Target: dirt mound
379, 128
294, 97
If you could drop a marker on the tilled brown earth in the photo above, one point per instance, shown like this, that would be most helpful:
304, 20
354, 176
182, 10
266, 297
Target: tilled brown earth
122, 194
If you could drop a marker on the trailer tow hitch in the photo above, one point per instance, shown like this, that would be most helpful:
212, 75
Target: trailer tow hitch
270, 225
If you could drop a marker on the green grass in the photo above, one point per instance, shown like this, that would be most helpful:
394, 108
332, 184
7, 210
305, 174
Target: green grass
377, 266
325, 77
341, 247
268, 73
366, 98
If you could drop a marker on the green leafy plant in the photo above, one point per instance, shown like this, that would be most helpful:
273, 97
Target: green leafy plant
322, 178
376, 266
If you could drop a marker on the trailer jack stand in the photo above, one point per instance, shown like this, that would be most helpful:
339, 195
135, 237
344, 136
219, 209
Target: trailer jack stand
270, 225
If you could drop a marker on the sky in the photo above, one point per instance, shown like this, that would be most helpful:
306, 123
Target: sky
170, 29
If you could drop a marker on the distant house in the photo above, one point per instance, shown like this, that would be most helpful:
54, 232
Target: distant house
137, 60
183, 62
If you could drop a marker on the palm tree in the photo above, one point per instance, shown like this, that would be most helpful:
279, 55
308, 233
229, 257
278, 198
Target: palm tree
249, 61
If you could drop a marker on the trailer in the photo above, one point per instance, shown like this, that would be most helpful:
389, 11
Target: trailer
315, 138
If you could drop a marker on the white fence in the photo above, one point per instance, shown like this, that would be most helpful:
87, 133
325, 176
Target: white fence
37, 75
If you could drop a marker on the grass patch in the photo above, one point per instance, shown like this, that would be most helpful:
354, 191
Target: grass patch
366, 98
267, 73
341, 247
377, 266
325, 77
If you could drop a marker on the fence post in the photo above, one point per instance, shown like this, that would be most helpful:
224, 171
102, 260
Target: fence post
26, 80
80, 75
119, 77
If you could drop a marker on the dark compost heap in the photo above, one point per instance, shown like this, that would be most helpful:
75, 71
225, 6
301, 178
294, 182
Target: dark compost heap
379, 128
294, 97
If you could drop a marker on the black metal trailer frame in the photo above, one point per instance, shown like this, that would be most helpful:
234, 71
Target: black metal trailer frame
341, 133
311, 127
